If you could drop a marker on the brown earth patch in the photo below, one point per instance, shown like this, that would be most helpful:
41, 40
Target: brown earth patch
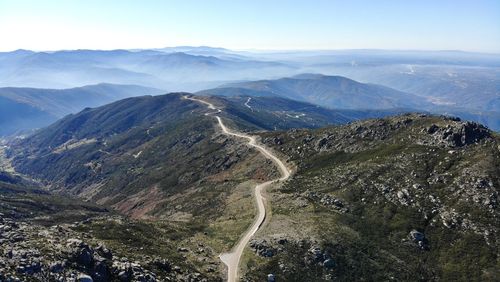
139, 205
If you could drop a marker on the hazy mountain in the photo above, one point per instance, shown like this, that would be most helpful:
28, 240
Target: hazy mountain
459, 79
177, 70
218, 52
29, 108
473, 87
463, 81
17, 117
329, 91
339, 92
455, 78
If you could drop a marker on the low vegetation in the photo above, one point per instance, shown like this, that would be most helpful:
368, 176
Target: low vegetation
404, 198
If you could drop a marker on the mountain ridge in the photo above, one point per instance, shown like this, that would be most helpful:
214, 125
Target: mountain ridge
36, 108
330, 91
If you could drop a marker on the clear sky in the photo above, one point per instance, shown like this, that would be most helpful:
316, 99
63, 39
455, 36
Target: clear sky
472, 25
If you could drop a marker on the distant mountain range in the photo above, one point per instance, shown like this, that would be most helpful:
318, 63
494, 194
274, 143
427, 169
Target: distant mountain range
347, 100
153, 68
447, 82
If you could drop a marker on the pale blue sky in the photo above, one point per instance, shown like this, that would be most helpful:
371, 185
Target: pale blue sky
253, 24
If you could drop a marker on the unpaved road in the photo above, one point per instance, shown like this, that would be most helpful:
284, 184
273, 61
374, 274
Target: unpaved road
248, 101
232, 259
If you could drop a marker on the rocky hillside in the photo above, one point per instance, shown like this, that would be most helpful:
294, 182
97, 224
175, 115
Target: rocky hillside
412, 197
47, 237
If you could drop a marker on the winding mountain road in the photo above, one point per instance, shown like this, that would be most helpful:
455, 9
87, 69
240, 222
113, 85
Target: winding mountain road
232, 259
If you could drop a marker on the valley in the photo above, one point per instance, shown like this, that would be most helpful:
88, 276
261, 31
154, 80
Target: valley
232, 259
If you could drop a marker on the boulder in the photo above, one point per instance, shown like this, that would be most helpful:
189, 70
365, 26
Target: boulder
263, 248
84, 278
163, 265
84, 257
104, 252
329, 263
124, 276
416, 236
101, 272
56, 267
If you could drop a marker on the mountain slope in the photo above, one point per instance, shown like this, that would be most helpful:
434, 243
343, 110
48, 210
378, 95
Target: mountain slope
337, 92
30, 108
22, 199
411, 197
329, 91
127, 148
276, 113
16, 117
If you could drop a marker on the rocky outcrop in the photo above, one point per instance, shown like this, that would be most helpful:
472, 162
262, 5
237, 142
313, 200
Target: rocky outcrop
263, 247
456, 134
418, 238
319, 256
365, 135
327, 200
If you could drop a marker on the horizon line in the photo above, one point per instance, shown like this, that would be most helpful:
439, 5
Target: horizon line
255, 50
